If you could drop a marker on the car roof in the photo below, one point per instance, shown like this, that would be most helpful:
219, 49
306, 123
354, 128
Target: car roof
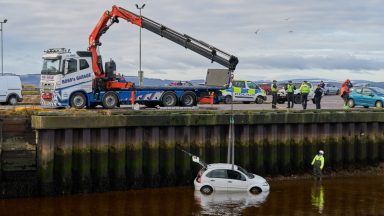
220, 166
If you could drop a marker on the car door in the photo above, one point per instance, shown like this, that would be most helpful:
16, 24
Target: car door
367, 97
217, 179
236, 181
356, 96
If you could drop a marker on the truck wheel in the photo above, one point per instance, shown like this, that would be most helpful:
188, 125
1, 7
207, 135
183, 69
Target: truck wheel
298, 99
110, 100
169, 99
12, 100
259, 100
228, 99
78, 100
188, 99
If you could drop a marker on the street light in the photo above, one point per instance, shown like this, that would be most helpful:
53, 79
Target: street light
1, 29
141, 73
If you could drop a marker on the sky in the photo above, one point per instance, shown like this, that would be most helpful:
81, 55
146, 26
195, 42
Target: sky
273, 39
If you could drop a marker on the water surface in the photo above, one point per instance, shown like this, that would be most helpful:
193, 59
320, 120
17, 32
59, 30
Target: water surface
333, 196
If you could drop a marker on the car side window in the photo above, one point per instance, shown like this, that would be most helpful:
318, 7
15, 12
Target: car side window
219, 173
240, 84
83, 64
235, 175
251, 85
367, 91
357, 90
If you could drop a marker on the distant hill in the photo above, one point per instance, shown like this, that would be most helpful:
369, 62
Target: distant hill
34, 79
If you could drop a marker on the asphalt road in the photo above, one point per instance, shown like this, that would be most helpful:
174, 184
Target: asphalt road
327, 102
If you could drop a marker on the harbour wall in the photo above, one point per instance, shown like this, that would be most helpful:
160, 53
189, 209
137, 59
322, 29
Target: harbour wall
87, 153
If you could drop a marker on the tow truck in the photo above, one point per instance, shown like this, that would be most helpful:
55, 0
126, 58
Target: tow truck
78, 79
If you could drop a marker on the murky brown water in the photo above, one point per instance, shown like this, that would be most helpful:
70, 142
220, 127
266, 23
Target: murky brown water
333, 196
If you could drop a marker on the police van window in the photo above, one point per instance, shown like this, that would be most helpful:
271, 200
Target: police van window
235, 175
72, 65
240, 84
219, 173
251, 85
367, 91
83, 64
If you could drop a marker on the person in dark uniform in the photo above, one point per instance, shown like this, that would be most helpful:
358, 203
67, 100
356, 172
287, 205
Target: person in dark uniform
274, 94
318, 94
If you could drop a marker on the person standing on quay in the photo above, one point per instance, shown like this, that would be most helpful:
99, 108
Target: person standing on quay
274, 93
318, 164
318, 94
344, 93
304, 91
290, 94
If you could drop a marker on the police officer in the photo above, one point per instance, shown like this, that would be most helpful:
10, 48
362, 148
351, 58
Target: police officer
274, 93
318, 94
290, 94
304, 91
318, 164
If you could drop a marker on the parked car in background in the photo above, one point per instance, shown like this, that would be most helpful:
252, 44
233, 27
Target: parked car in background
331, 89
180, 83
266, 87
244, 91
282, 95
366, 97
10, 89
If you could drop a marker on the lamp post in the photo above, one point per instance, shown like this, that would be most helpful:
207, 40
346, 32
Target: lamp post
1, 29
141, 73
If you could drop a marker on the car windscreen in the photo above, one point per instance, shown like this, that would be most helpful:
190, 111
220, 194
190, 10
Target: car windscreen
378, 91
250, 175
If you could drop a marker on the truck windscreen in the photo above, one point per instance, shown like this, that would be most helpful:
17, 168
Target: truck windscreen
51, 66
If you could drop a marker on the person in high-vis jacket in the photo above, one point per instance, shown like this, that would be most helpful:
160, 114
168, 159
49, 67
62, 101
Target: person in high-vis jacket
290, 88
274, 93
318, 164
304, 91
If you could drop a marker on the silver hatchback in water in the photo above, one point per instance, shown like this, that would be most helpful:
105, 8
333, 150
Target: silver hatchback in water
221, 177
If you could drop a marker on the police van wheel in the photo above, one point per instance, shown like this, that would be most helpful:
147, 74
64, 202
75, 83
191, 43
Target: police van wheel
259, 100
78, 100
228, 99
110, 100
188, 99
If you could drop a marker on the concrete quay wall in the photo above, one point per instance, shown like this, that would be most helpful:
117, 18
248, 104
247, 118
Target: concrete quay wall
117, 152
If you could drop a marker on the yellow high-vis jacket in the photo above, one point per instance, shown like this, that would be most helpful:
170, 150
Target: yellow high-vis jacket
320, 158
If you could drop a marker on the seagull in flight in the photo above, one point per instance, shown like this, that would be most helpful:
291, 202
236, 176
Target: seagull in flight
257, 31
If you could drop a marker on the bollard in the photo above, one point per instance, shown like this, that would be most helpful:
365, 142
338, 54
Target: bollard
133, 98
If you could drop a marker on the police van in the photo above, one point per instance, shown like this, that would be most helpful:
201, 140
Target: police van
10, 89
244, 91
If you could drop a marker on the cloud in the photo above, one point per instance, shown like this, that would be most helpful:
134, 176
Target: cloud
319, 35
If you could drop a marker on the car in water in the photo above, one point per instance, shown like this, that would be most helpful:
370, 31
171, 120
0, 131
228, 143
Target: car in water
366, 97
221, 177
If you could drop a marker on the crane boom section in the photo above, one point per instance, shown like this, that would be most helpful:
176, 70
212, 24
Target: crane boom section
200, 47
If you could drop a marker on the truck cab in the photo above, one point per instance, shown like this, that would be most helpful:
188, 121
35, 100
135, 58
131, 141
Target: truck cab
244, 91
63, 76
